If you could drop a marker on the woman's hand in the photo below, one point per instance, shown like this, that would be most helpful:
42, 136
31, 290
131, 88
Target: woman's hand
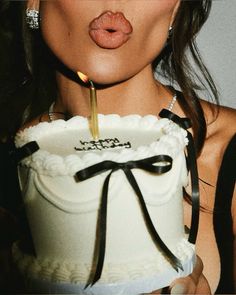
195, 283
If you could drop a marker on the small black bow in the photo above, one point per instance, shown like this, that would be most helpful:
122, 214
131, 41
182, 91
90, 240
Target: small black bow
148, 164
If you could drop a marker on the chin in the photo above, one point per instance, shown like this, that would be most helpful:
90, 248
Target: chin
106, 68
107, 79
105, 75
103, 68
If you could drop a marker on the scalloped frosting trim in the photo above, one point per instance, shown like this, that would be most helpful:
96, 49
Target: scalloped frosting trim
172, 141
69, 272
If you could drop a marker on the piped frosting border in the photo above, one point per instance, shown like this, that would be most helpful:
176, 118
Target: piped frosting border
173, 139
68, 271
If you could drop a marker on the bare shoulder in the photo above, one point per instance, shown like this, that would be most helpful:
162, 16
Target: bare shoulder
220, 132
221, 127
35, 121
31, 123
221, 124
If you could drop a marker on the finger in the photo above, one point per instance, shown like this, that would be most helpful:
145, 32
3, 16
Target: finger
197, 271
189, 283
195, 275
184, 286
203, 286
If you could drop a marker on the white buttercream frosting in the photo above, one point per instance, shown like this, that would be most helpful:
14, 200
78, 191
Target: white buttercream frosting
166, 138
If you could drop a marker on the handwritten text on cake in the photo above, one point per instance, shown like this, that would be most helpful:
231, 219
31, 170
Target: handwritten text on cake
101, 144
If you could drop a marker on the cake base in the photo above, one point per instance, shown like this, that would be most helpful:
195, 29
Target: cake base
134, 287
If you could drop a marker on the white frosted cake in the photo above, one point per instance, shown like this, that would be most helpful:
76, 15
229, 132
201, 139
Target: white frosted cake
63, 212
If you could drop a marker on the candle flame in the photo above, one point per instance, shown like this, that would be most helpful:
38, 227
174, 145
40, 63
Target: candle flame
83, 77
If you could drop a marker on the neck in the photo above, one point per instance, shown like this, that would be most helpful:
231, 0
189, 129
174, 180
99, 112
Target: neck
141, 94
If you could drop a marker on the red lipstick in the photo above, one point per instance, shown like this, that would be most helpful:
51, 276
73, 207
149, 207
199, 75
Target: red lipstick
110, 30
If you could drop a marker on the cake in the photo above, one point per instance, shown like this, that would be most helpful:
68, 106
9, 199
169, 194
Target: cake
64, 211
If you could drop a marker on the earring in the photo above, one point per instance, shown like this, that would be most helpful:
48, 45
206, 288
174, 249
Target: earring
32, 18
170, 32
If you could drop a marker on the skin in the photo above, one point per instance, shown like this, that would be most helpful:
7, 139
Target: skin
70, 22
64, 25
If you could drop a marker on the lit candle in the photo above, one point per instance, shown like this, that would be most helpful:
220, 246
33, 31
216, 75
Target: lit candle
93, 104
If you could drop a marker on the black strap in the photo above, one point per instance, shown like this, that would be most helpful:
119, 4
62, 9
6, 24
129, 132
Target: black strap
185, 123
148, 164
222, 218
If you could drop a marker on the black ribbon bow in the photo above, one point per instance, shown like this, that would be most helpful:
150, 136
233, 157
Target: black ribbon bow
148, 164
185, 123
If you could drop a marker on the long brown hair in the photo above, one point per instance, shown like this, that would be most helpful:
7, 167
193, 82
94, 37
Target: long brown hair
27, 67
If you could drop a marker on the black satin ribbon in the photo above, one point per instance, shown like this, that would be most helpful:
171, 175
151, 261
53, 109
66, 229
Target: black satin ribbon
148, 164
26, 150
185, 123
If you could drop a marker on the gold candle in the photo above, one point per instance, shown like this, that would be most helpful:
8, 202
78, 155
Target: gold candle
93, 105
94, 114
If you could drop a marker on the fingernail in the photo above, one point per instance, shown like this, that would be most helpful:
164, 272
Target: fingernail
177, 289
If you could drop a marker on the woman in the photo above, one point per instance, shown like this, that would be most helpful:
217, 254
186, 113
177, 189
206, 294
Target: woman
122, 67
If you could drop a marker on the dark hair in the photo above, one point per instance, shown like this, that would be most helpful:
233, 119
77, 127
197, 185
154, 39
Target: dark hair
23, 53
174, 64
27, 75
